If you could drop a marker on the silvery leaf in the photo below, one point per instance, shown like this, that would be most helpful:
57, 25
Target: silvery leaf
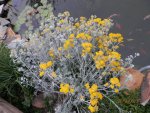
3, 21
14, 43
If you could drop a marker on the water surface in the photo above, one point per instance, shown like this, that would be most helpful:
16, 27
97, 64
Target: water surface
129, 21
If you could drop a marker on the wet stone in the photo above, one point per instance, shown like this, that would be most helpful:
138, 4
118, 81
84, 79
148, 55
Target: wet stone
132, 80
5, 107
38, 101
145, 90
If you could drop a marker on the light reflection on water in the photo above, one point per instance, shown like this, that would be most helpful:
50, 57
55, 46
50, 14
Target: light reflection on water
130, 21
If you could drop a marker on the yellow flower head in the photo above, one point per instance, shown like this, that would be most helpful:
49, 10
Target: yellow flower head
82, 98
115, 55
93, 88
86, 45
96, 95
102, 23
60, 49
97, 20
87, 85
106, 84
61, 21
49, 64
77, 24
81, 35
68, 44
41, 73
114, 81
89, 23
115, 63
93, 108
116, 90
84, 36
88, 37
51, 53
100, 64
93, 102
112, 86
64, 88
98, 55
82, 18
71, 90
54, 74
43, 66
71, 36
116, 37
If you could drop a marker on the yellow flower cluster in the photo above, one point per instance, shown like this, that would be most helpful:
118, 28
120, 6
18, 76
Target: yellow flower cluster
95, 96
92, 20
41, 73
100, 60
101, 22
114, 84
102, 41
116, 66
68, 44
82, 18
71, 36
116, 37
61, 21
115, 55
44, 66
77, 24
104, 44
115, 81
84, 36
65, 88
100, 64
88, 23
87, 47
51, 53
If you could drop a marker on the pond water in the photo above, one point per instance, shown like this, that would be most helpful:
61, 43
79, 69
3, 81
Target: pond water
129, 21
131, 18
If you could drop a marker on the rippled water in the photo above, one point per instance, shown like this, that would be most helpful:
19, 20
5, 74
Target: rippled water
129, 21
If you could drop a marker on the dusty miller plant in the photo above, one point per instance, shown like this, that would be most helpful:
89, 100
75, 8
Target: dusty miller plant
76, 58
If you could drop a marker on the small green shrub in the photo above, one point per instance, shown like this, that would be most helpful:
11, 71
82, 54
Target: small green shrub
8, 72
10, 88
129, 101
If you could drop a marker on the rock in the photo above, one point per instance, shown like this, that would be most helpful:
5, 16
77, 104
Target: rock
145, 90
5, 107
132, 80
3, 27
38, 101
1, 8
11, 35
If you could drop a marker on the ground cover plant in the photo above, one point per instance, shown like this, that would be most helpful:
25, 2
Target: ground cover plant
76, 58
73, 59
